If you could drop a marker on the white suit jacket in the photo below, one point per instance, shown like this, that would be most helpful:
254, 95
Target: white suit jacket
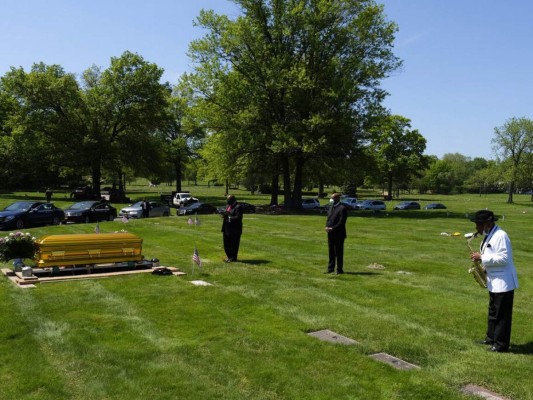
497, 258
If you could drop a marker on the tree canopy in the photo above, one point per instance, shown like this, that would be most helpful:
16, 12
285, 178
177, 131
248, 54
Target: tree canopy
294, 80
99, 122
513, 142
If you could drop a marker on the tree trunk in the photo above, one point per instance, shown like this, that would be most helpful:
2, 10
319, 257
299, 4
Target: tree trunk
287, 199
177, 169
96, 176
389, 186
320, 190
275, 190
511, 191
121, 187
297, 192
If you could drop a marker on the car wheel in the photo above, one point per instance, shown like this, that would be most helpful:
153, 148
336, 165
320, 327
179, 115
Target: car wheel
166, 214
56, 221
19, 224
87, 219
111, 217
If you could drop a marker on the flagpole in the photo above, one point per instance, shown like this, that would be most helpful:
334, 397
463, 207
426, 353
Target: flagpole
195, 237
195, 256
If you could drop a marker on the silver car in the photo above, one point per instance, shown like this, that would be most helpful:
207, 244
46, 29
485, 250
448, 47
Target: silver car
135, 210
309, 204
375, 205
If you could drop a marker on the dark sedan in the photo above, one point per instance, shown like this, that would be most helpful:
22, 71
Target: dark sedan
23, 214
90, 211
435, 206
408, 205
197, 208
247, 208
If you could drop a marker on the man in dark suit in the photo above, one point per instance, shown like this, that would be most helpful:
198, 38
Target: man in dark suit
145, 206
336, 229
232, 228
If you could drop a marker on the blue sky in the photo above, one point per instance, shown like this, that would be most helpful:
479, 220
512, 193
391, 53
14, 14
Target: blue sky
467, 63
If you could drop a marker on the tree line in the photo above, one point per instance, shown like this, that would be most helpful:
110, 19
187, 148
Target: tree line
283, 97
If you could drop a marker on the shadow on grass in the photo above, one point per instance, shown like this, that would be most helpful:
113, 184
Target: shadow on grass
403, 214
407, 214
18, 197
526, 348
364, 273
255, 262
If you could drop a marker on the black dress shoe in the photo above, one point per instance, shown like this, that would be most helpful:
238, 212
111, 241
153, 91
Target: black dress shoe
339, 272
497, 349
486, 341
329, 272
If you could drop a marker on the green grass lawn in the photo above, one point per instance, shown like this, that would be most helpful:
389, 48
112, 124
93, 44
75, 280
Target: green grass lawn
245, 337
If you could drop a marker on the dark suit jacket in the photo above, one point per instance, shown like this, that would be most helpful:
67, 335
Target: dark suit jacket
337, 216
232, 224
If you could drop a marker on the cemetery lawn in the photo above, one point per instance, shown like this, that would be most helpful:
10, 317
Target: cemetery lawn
246, 337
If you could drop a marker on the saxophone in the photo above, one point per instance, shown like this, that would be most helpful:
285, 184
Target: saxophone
476, 269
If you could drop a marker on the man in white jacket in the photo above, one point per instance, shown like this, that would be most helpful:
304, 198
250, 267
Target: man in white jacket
496, 256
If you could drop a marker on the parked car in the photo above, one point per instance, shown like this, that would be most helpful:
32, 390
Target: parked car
247, 208
197, 208
375, 205
135, 210
83, 193
350, 202
407, 205
90, 211
309, 204
183, 199
23, 214
435, 206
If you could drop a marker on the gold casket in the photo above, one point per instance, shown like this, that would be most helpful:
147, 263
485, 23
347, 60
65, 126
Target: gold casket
88, 248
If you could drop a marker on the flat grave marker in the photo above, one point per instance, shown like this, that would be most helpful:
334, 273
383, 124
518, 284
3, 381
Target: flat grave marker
482, 392
330, 336
393, 361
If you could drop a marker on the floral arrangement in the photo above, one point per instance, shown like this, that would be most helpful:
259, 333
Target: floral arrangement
17, 245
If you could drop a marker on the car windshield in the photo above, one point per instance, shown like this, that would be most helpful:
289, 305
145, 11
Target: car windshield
19, 206
137, 205
82, 205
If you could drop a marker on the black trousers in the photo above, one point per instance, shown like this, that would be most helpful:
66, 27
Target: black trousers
336, 253
231, 245
500, 319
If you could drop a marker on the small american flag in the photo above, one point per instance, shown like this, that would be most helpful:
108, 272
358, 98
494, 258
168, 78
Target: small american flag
196, 258
125, 219
196, 220
97, 228
189, 221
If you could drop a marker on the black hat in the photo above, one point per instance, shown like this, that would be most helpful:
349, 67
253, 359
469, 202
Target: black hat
484, 216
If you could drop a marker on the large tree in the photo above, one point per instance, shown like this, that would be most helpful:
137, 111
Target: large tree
183, 134
398, 150
294, 78
105, 121
513, 144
